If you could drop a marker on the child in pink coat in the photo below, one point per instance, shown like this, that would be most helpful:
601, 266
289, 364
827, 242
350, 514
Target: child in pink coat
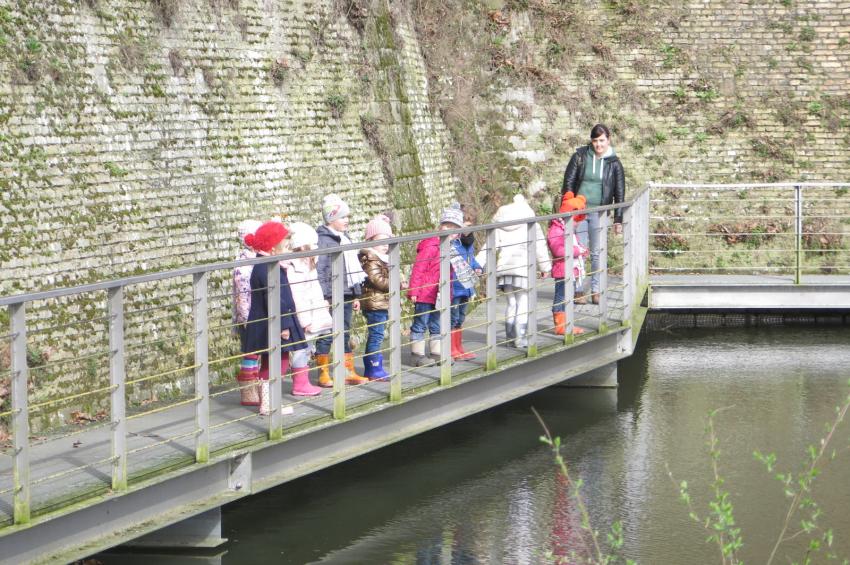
557, 245
424, 286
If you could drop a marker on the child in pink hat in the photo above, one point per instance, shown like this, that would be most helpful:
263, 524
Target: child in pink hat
375, 302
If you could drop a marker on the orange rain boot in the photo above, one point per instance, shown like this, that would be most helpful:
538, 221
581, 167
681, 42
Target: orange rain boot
323, 363
561, 324
560, 319
352, 378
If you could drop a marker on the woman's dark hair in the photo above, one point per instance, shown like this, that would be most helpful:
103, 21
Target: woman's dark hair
598, 130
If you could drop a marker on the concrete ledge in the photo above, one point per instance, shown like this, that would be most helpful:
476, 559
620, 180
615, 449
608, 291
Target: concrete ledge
766, 296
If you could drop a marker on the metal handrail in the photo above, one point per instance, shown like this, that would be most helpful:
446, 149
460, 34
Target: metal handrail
806, 214
634, 273
740, 186
230, 265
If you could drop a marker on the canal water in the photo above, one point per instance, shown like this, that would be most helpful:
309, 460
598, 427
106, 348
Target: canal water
485, 490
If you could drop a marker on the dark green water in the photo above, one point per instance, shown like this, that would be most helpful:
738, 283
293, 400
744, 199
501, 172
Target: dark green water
484, 490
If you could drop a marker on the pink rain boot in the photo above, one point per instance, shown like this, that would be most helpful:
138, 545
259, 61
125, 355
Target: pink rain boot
301, 385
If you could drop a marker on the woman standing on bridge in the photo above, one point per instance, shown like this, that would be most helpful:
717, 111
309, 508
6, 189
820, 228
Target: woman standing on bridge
595, 172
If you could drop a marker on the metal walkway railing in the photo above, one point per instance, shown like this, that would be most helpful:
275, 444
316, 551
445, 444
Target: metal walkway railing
778, 229
123, 393
145, 384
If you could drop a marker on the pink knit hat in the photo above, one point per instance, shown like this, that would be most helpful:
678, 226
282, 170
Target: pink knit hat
378, 225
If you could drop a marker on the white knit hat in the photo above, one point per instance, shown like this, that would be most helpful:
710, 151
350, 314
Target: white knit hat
452, 215
333, 208
302, 235
516, 210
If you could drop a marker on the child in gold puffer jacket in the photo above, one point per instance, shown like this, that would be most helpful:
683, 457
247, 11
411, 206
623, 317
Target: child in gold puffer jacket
375, 302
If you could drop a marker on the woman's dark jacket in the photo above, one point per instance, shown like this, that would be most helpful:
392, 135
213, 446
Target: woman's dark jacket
613, 179
258, 334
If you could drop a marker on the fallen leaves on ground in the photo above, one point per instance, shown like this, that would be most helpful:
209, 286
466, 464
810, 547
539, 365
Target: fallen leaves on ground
80, 418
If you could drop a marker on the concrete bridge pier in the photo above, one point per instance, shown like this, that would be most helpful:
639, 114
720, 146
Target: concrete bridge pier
601, 377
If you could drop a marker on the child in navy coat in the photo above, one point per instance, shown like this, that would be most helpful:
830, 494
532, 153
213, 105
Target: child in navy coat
270, 239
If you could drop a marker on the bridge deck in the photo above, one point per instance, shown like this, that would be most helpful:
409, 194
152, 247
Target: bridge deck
165, 440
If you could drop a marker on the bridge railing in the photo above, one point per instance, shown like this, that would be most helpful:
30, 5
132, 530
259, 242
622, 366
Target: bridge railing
777, 229
141, 380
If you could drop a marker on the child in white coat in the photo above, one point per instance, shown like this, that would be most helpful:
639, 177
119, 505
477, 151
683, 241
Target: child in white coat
512, 265
310, 304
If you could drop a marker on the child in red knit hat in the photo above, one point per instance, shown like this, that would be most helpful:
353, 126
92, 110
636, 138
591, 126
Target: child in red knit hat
271, 239
557, 245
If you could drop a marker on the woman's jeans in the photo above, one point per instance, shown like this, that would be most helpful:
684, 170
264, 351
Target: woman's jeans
425, 317
589, 236
459, 305
377, 321
323, 344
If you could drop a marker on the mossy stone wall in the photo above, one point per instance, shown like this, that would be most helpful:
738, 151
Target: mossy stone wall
137, 134
710, 91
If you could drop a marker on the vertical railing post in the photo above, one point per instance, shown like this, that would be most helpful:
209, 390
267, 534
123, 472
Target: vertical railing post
629, 282
798, 232
490, 287
338, 348
603, 272
444, 305
20, 414
200, 313
569, 279
274, 329
643, 231
646, 242
117, 382
531, 309
395, 322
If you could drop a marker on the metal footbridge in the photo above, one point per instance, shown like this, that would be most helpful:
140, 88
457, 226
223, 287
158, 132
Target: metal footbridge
135, 431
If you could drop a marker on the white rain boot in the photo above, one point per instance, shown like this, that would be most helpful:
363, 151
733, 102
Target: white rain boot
264, 398
417, 353
434, 346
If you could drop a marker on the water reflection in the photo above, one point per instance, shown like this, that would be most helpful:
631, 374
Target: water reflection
484, 490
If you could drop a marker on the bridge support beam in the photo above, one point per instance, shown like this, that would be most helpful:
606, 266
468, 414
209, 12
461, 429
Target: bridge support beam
202, 531
601, 377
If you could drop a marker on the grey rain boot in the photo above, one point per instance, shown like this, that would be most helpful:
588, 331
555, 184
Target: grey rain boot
510, 332
417, 354
521, 341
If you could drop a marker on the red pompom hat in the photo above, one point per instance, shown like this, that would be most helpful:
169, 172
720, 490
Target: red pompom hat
267, 236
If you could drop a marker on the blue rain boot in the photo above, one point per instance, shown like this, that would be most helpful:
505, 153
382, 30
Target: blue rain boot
374, 367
